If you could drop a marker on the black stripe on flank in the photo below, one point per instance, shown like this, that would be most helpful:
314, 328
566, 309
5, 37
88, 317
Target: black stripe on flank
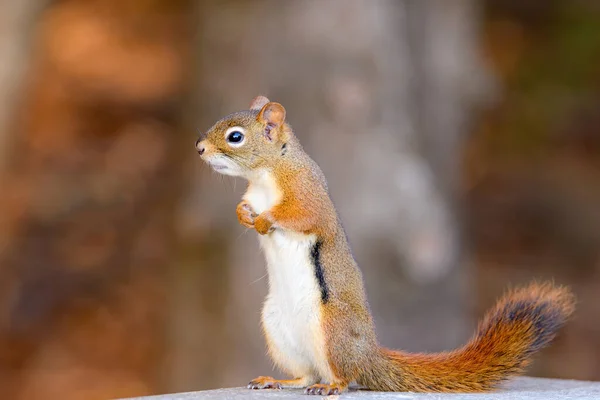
315, 255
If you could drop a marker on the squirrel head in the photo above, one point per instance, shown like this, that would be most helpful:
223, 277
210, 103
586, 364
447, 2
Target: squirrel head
246, 141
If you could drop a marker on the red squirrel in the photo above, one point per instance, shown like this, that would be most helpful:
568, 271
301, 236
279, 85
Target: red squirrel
316, 318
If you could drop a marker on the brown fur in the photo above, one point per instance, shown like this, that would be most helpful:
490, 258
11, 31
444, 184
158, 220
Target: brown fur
521, 323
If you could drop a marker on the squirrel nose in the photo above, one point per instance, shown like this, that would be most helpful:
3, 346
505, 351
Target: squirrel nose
200, 147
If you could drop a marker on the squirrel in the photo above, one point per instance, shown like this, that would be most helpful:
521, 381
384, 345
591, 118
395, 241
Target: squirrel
316, 319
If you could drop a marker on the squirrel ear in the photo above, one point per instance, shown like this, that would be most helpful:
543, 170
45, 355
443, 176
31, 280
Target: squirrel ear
258, 102
273, 116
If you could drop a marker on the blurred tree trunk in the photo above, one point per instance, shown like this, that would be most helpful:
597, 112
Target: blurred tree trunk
88, 193
16, 24
352, 75
533, 168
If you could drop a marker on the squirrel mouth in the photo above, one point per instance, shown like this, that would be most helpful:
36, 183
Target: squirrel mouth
218, 167
223, 166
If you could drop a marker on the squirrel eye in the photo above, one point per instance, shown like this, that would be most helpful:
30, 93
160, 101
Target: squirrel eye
235, 137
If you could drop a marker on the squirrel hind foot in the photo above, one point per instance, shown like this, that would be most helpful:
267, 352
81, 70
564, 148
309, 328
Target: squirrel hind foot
264, 382
325, 390
267, 382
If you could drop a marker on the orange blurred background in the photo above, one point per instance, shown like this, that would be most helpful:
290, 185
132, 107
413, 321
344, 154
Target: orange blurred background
460, 140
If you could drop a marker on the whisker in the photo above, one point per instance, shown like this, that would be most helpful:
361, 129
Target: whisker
262, 277
259, 156
242, 234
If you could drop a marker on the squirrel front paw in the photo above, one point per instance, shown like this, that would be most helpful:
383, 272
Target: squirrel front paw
246, 214
264, 223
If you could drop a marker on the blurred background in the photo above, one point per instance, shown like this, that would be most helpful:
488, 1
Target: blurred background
460, 139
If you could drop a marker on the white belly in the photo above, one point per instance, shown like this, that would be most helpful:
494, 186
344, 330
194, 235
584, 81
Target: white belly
292, 311
291, 314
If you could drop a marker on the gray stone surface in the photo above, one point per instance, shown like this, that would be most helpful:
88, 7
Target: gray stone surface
520, 388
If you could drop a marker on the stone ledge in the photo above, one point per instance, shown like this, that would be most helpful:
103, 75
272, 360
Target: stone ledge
516, 389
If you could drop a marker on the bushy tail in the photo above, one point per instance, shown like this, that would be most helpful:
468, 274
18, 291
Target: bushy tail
521, 323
